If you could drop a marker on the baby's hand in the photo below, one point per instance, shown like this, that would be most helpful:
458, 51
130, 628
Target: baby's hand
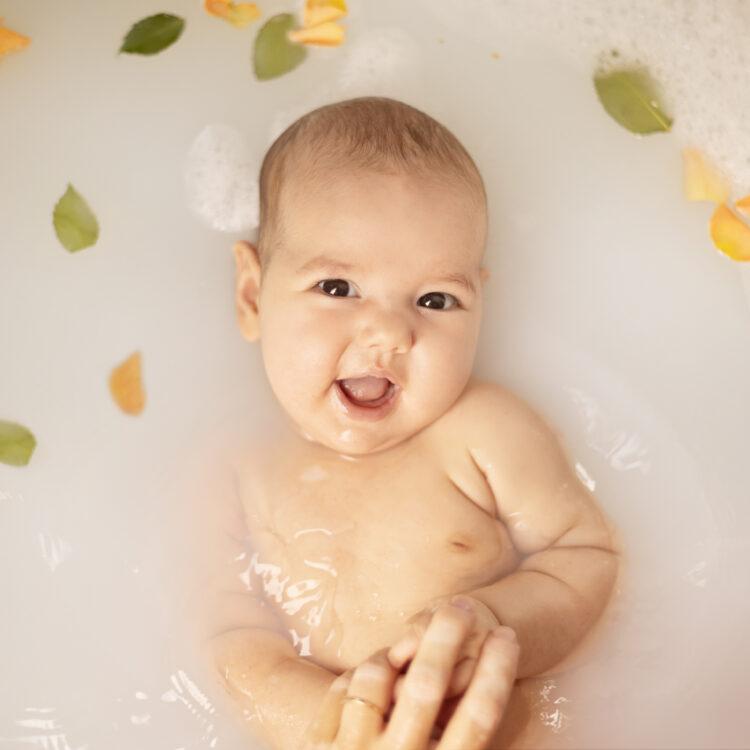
485, 621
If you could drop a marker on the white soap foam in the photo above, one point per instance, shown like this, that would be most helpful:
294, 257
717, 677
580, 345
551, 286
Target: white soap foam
221, 179
376, 60
697, 50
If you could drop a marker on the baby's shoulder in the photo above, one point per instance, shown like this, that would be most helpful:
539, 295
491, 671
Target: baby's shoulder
485, 404
490, 417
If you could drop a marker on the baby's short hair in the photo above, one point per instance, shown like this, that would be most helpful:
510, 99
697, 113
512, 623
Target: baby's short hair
370, 133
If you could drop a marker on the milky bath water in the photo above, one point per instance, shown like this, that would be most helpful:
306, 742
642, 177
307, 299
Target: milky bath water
608, 309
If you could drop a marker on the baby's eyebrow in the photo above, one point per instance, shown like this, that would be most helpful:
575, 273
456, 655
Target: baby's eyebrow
322, 262
457, 278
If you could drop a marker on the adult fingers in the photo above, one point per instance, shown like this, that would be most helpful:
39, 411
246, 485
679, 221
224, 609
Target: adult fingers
462, 674
404, 649
427, 679
323, 730
459, 681
367, 700
481, 709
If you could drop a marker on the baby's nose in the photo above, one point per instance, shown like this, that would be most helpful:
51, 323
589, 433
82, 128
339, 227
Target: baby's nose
387, 330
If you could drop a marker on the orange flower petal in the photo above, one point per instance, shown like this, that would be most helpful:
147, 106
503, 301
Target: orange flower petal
126, 385
11, 42
743, 205
321, 11
730, 234
241, 14
326, 34
702, 181
218, 8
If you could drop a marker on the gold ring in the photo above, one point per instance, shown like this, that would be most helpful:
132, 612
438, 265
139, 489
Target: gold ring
364, 702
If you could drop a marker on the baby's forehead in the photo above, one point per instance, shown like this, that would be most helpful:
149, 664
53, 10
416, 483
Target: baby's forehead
341, 191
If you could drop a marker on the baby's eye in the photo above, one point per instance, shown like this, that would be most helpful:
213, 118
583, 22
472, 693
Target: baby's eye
335, 287
435, 301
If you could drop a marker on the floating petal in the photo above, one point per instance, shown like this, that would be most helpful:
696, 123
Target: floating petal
702, 181
322, 11
10, 41
242, 14
326, 34
218, 8
238, 14
730, 234
126, 385
743, 205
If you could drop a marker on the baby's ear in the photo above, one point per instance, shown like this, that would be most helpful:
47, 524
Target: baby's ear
247, 289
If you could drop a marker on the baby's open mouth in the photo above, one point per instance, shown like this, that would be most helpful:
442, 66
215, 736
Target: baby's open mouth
368, 392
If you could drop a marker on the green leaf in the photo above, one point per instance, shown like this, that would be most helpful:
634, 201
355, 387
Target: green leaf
153, 34
16, 444
274, 54
74, 221
630, 97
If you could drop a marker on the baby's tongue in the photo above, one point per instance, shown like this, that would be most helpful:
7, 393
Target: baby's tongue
365, 389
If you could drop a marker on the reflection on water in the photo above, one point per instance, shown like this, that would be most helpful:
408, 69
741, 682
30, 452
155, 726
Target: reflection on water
623, 451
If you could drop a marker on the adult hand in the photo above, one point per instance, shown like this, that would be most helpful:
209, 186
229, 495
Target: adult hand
485, 621
356, 713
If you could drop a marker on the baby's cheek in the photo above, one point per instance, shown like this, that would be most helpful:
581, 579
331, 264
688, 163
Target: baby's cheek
302, 343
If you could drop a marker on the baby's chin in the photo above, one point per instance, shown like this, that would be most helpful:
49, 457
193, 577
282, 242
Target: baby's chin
351, 442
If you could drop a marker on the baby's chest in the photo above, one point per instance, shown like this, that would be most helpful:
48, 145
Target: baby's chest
345, 551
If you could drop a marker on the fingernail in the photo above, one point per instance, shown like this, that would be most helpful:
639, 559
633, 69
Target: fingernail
463, 603
398, 653
504, 633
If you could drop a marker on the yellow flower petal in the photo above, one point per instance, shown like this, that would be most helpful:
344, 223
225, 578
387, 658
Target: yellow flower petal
321, 11
10, 41
326, 34
743, 205
702, 181
218, 8
126, 385
730, 234
238, 14
241, 14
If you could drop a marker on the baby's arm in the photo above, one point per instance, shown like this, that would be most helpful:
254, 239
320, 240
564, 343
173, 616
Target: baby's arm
275, 692
569, 563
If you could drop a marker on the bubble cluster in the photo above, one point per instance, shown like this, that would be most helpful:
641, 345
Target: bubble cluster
697, 51
221, 179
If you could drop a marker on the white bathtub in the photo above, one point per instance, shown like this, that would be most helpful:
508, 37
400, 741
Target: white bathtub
608, 309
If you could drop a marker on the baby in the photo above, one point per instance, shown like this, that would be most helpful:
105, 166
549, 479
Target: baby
398, 480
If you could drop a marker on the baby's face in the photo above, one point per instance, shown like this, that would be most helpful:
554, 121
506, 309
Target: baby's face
374, 275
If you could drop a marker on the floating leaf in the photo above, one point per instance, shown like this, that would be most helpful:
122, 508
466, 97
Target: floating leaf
10, 41
16, 444
126, 385
238, 14
323, 11
153, 34
274, 54
75, 223
743, 205
629, 96
328, 34
702, 181
730, 234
